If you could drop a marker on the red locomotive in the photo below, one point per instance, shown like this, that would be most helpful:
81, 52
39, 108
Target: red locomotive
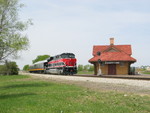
64, 63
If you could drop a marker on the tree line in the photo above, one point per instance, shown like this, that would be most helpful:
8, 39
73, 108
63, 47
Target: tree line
85, 67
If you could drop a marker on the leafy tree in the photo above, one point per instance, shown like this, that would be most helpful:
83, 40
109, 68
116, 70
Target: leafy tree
40, 58
11, 39
86, 67
91, 68
26, 68
80, 67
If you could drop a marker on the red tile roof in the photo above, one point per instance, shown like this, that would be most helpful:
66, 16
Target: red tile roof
121, 53
124, 48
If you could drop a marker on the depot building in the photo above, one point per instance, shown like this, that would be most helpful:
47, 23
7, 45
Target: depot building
112, 59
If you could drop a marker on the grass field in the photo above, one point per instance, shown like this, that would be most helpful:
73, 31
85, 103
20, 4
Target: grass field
22, 94
85, 72
146, 73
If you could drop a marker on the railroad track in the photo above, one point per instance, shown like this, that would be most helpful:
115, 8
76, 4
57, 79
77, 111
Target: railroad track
136, 77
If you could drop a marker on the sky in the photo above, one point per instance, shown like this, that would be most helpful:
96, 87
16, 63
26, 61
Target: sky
76, 25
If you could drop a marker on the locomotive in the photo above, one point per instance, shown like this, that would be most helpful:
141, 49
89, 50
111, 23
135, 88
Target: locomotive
63, 64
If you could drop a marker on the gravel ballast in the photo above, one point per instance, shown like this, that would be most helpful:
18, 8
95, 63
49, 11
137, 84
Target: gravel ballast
105, 84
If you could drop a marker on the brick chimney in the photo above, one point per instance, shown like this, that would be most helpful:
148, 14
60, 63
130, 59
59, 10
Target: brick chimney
111, 41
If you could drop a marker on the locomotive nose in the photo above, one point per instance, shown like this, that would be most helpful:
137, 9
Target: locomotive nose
70, 62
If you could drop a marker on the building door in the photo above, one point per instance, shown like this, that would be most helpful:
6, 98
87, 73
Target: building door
112, 69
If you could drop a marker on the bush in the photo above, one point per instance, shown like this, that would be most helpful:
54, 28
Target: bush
9, 68
2, 70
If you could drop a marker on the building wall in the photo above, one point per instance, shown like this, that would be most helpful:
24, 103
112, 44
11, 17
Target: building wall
104, 69
120, 69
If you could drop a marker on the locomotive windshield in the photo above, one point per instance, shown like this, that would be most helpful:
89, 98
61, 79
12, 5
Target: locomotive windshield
68, 56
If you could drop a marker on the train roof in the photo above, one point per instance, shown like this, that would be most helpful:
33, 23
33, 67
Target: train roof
66, 53
61, 54
40, 62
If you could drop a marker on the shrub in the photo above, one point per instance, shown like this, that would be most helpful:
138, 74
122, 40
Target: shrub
2, 69
9, 68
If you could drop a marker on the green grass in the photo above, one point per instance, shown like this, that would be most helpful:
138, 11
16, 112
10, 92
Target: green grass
21, 94
146, 72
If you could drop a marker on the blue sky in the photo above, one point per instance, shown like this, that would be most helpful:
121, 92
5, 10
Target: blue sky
76, 25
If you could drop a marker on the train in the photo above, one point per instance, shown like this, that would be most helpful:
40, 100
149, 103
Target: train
62, 64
